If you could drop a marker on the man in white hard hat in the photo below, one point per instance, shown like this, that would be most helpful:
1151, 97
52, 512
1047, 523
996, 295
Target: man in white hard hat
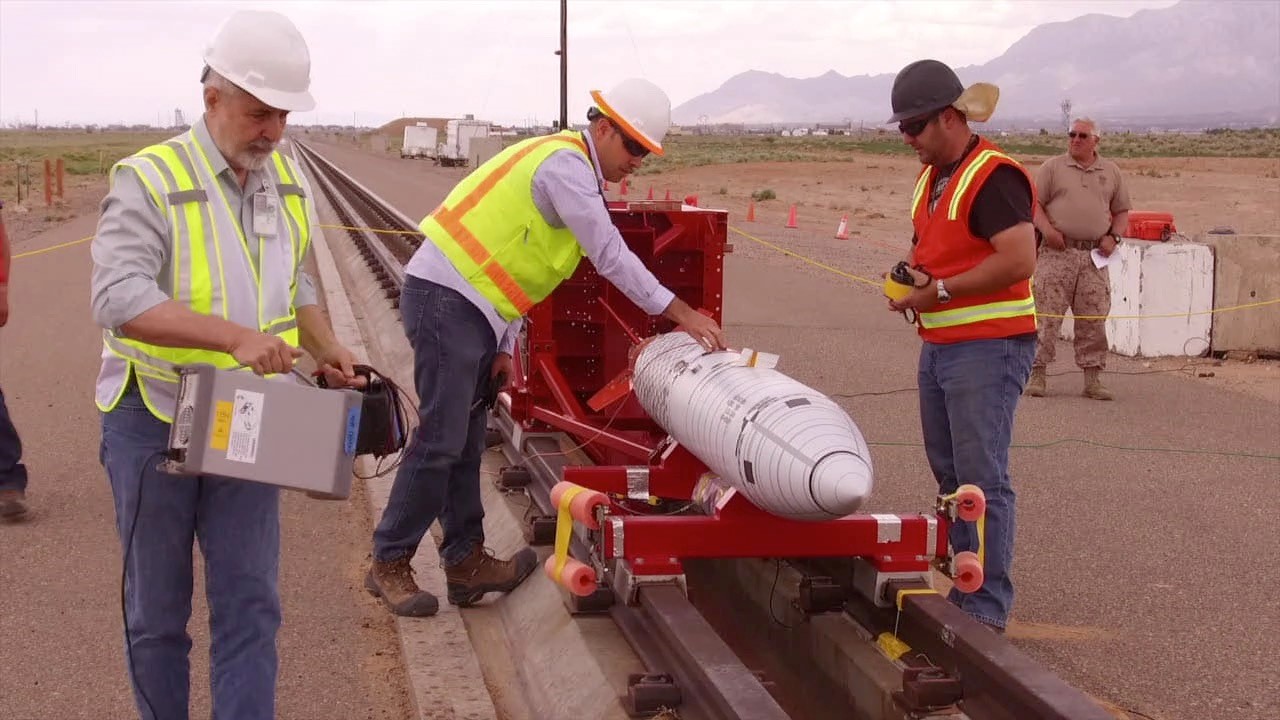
503, 239
198, 259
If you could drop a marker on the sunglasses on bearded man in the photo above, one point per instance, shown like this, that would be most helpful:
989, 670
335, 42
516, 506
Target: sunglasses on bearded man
632, 146
915, 126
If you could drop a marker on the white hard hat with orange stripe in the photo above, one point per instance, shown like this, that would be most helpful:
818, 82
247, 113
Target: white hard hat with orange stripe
640, 109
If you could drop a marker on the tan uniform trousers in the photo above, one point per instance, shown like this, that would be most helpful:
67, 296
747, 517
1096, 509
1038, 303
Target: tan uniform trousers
1067, 279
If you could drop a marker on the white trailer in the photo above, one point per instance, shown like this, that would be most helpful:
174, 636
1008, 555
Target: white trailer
456, 148
419, 141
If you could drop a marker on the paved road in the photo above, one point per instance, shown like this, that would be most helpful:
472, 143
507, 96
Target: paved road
1143, 574
61, 652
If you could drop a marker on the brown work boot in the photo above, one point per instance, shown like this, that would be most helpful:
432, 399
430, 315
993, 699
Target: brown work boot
13, 505
393, 582
1093, 387
1036, 385
481, 573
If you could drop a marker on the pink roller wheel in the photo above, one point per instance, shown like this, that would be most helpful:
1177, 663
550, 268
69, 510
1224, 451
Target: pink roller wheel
971, 502
576, 577
583, 507
969, 575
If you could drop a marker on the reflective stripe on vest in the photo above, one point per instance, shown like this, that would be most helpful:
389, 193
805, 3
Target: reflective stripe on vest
966, 178
922, 188
962, 184
212, 270
484, 248
978, 313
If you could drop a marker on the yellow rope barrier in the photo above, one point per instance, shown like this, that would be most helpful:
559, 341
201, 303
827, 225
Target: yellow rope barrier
794, 254
878, 284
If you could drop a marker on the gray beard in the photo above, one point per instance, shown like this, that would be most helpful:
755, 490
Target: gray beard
251, 161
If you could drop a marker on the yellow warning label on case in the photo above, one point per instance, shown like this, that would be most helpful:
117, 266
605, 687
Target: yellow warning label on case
221, 425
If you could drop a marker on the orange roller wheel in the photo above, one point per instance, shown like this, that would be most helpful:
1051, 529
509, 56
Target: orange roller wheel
576, 577
969, 576
971, 502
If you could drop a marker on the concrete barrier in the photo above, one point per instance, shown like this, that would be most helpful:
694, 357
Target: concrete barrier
1154, 279
1246, 270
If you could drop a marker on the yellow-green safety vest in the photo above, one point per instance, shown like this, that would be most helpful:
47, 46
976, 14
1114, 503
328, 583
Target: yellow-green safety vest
494, 234
211, 269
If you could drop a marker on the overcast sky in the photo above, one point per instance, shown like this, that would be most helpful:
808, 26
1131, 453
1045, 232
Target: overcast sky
103, 62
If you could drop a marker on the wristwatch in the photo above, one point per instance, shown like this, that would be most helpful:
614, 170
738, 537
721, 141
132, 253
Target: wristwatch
943, 295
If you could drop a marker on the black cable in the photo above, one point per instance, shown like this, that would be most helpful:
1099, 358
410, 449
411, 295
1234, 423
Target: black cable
400, 402
777, 570
124, 574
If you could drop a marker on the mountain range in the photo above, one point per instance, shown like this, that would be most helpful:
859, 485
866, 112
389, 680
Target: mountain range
1194, 60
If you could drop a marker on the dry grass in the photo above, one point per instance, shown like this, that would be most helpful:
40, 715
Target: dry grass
696, 150
83, 153
87, 153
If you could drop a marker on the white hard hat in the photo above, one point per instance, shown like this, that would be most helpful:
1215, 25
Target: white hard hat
263, 53
640, 108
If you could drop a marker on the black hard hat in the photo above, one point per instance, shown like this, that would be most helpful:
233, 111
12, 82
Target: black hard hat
922, 87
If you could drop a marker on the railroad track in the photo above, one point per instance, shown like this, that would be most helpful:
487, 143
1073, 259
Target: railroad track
385, 238
946, 659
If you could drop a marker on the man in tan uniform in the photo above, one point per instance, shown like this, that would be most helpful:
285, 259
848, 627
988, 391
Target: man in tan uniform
1083, 204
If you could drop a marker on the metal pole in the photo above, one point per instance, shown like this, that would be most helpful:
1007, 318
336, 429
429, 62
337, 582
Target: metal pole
564, 64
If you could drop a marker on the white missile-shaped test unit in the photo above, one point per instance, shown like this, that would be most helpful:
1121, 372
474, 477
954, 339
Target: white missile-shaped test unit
789, 449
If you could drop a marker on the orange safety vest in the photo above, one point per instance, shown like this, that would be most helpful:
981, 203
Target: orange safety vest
946, 247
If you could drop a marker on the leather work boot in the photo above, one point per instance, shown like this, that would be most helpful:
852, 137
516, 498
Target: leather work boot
393, 582
1036, 385
1093, 387
13, 505
481, 573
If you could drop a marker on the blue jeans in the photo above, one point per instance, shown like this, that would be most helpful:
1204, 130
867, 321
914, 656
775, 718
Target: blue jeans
13, 474
238, 526
453, 352
968, 393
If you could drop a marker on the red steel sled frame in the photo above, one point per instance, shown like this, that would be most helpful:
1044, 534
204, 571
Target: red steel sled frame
578, 339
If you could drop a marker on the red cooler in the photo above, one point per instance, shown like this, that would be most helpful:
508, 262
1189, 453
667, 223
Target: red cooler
1144, 225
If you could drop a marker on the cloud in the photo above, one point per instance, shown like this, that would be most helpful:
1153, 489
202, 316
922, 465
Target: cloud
372, 61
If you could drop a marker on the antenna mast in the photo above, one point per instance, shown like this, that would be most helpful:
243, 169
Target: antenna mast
563, 52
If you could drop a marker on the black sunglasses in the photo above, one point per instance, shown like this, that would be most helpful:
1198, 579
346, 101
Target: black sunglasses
915, 126
633, 147
1074, 135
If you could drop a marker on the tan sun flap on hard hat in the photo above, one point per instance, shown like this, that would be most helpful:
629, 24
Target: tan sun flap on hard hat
978, 101
626, 126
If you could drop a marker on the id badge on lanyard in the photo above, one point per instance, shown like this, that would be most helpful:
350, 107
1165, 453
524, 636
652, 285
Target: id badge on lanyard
266, 208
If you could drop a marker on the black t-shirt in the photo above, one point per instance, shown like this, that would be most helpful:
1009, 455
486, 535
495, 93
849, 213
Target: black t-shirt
1003, 201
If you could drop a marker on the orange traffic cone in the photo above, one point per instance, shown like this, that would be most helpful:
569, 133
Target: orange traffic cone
624, 187
791, 218
668, 198
691, 200
842, 231
751, 211
650, 196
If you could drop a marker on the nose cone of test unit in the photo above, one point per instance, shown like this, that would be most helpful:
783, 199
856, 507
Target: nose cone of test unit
839, 483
